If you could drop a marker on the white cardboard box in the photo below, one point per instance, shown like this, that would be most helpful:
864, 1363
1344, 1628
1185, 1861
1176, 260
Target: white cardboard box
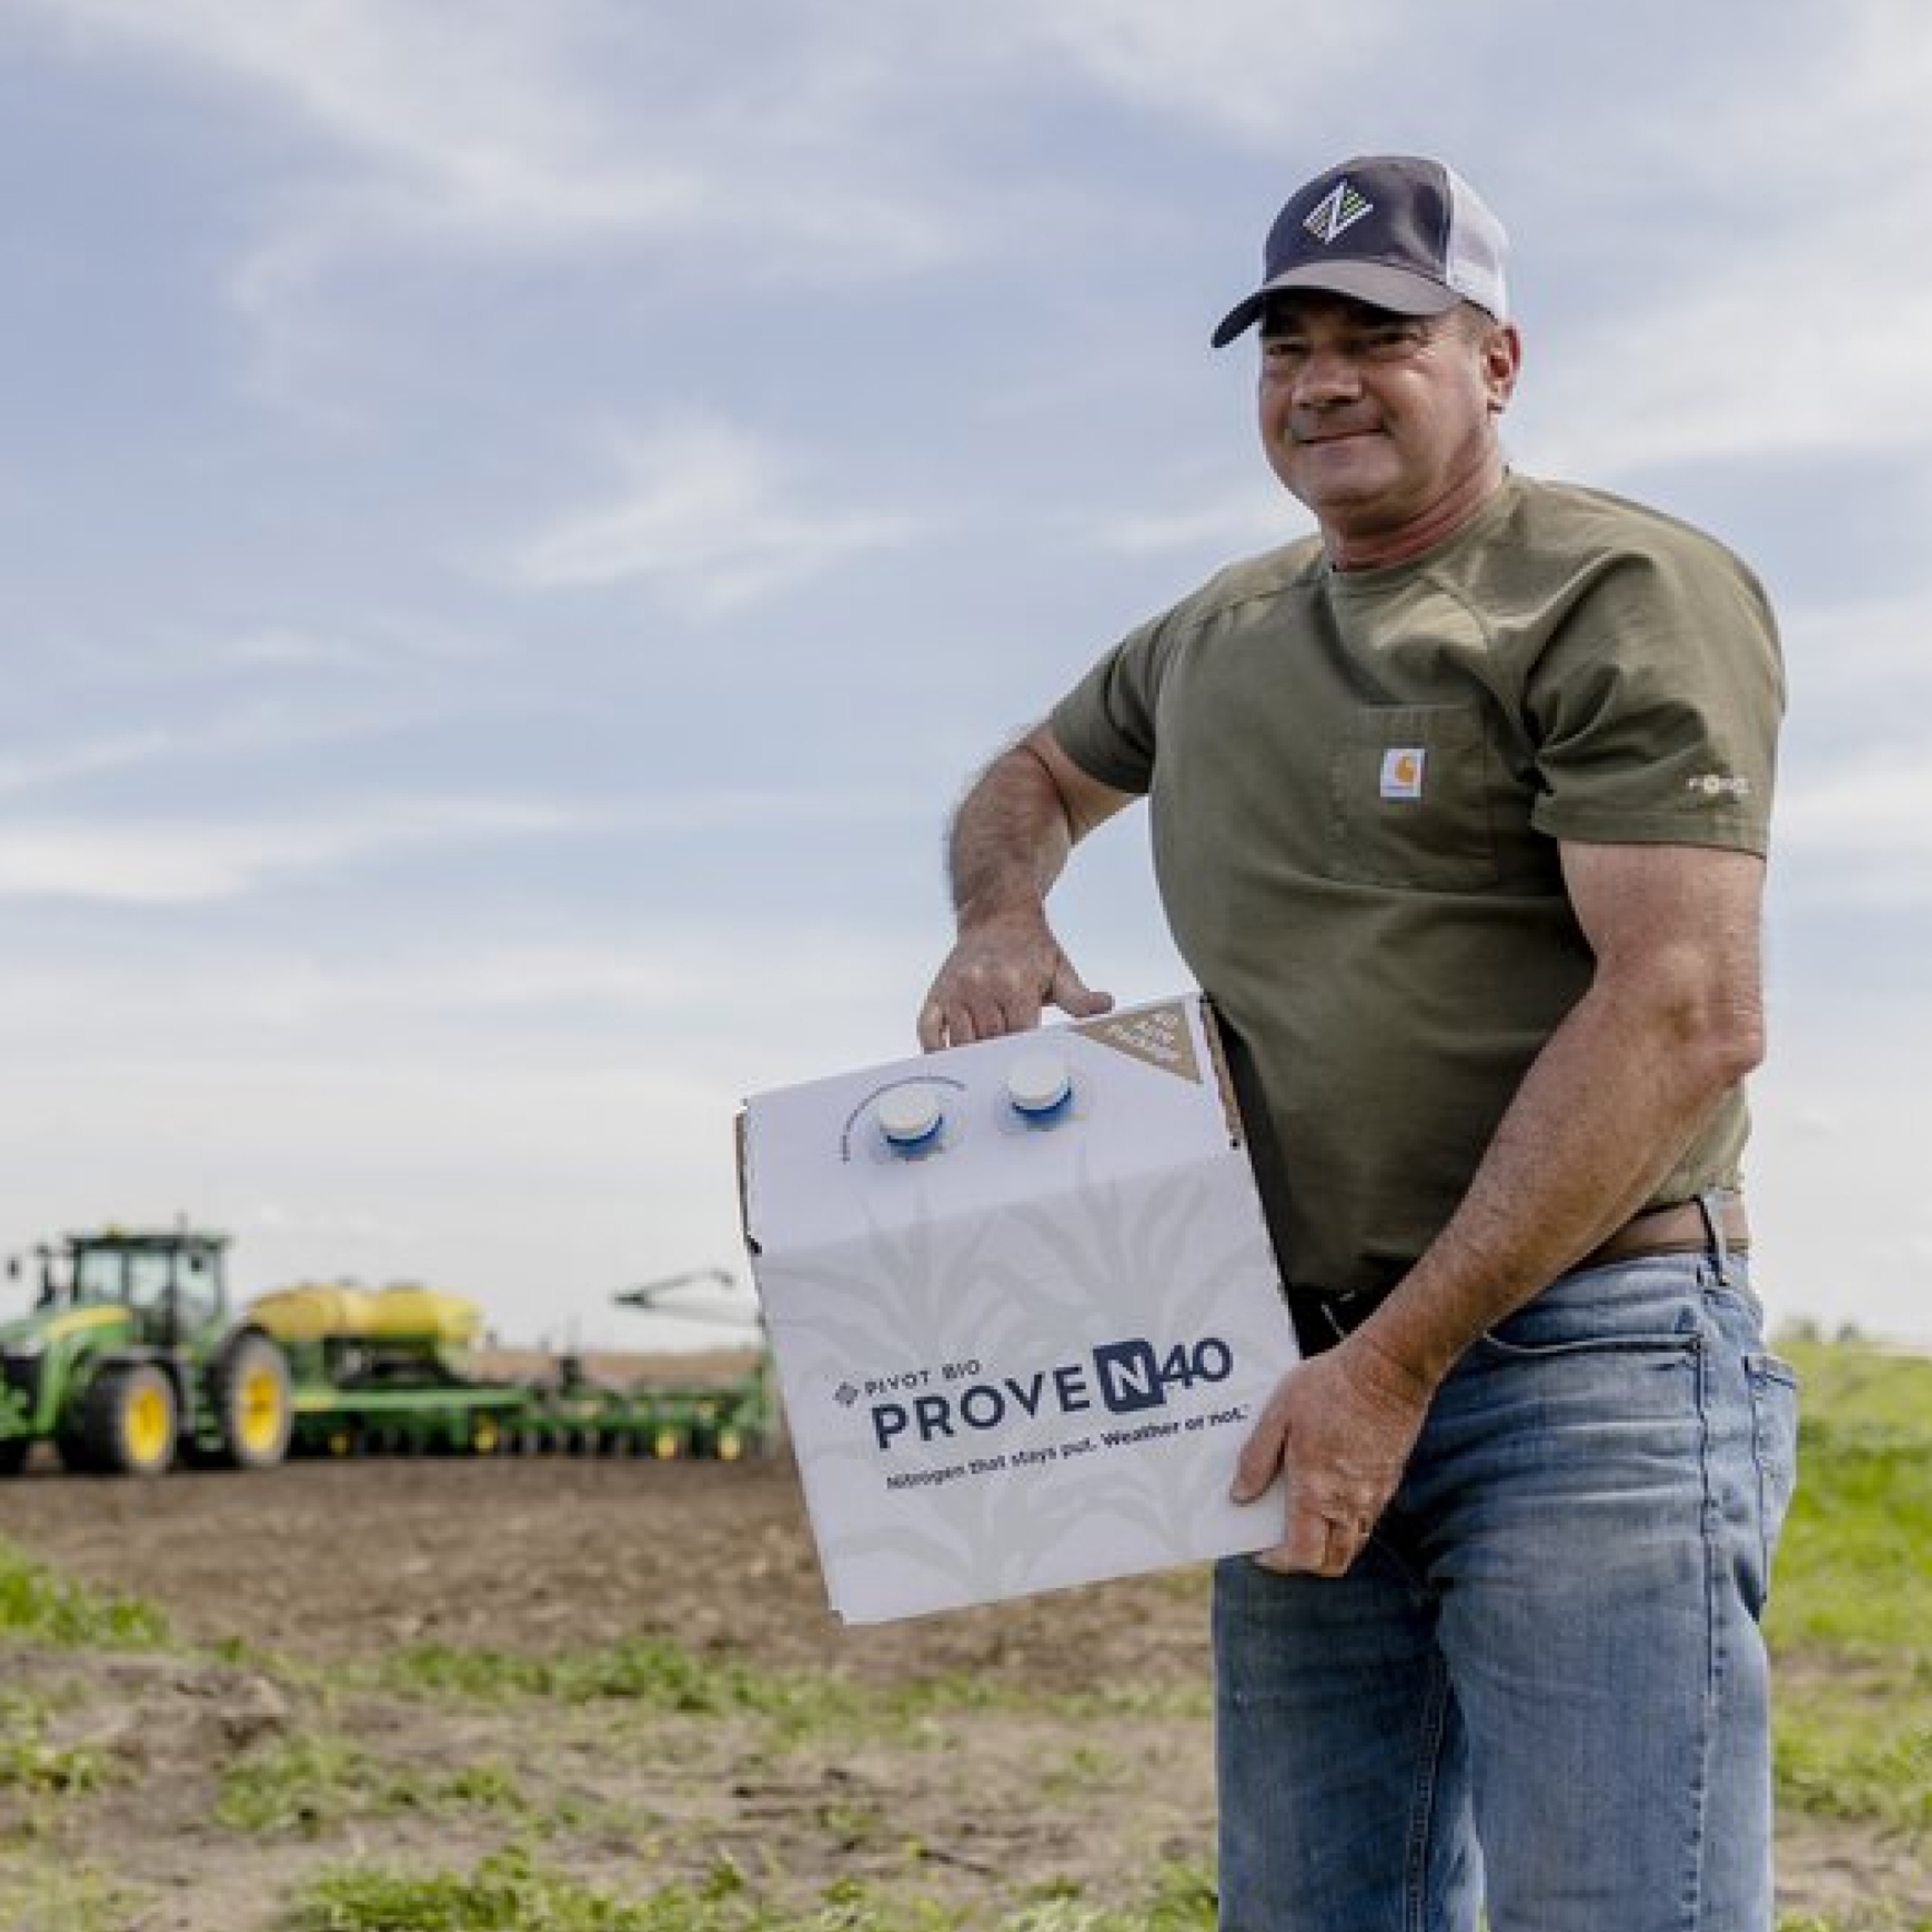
1025, 1353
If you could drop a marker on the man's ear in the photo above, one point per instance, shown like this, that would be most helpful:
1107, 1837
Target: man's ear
1501, 354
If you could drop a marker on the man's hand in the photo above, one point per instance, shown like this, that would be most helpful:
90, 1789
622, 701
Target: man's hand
1340, 1426
1009, 839
1004, 969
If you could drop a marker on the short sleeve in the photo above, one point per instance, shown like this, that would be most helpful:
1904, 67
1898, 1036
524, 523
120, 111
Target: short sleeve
1655, 704
1106, 723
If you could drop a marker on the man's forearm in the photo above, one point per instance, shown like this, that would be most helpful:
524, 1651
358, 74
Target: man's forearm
1009, 840
1603, 1114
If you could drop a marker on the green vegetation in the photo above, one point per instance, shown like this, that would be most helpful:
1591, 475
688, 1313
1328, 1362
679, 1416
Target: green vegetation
311, 1784
43, 1608
659, 1674
1850, 1626
61, 1898
509, 1892
1851, 1618
30, 1761
652, 1672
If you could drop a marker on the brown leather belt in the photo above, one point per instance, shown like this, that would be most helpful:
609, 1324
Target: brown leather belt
1678, 1229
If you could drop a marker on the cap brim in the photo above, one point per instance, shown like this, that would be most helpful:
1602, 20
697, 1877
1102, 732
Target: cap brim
1401, 291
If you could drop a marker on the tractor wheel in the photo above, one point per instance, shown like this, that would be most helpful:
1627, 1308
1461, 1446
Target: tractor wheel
131, 1421
253, 1408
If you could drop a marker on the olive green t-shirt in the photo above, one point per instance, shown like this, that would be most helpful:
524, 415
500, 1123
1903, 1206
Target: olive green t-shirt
1357, 784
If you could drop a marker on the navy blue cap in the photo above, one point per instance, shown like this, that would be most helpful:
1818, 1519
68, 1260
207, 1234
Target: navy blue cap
1398, 231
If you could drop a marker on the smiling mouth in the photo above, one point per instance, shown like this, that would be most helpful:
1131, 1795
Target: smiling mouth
1315, 439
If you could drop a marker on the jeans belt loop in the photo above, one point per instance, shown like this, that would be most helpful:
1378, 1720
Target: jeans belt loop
1710, 1205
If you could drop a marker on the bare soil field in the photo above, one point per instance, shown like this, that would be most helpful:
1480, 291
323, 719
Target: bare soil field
1075, 1756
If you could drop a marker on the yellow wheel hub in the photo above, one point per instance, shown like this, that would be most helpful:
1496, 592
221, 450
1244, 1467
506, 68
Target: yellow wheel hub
149, 1426
259, 1409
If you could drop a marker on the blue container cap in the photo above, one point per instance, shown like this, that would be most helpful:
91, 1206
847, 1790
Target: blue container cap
911, 1116
1039, 1086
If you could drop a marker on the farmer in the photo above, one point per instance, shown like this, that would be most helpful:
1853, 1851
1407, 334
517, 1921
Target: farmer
1458, 809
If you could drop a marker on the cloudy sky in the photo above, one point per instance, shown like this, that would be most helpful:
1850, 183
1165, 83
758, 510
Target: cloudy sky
519, 516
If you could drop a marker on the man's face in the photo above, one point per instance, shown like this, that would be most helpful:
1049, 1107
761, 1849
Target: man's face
1383, 424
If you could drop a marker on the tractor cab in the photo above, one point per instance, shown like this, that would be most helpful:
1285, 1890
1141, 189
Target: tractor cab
131, 1355
172, 1282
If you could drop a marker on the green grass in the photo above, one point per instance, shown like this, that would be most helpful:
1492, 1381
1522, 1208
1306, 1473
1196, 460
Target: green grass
312, 1784
36, 1604
1850, 1625
659, 1674
511, 1892
1855, 1570
30, 1763
1850, 1622
63, 1897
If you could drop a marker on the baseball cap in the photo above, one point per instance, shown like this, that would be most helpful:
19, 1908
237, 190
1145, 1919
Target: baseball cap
1399, 231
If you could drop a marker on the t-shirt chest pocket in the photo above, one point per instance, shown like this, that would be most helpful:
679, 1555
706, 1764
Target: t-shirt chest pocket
1410, 798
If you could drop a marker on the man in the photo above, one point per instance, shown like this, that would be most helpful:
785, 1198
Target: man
1459, 811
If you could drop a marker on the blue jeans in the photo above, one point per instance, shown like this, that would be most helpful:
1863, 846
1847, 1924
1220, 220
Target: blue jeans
1540, 1690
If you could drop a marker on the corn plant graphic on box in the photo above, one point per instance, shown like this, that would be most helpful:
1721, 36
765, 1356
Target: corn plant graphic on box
1023, 1308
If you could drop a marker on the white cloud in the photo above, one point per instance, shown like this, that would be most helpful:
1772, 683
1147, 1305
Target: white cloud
547, 123
289, 646
1779, 303
1867, 819
156, 863
188, 992
1233, 523
710, 518
1841, 1217
1740, 369
247, 731
1246, 67
30, 771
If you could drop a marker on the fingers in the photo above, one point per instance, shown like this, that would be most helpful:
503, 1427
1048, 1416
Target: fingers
996, 981
1340, 1461
950, 1018
1318, 1545
1260, 1457
1074, 998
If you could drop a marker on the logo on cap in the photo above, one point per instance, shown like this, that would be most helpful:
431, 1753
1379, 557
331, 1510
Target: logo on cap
1342, 207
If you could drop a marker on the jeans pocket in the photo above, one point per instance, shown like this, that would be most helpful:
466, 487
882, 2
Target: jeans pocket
1645, 1307
1506, 1348
1773, 1385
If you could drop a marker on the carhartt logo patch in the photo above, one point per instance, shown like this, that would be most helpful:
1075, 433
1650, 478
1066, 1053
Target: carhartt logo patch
1342, 207
1401, 773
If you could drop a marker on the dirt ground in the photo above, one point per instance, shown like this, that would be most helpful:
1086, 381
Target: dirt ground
328, 1563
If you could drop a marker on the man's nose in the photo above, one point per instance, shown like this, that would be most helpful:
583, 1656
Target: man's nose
1327, 375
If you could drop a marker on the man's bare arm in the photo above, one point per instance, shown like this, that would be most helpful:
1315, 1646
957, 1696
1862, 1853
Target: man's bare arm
1673, 1019
1009, 842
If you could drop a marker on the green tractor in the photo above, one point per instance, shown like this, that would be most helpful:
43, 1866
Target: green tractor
131, 1358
